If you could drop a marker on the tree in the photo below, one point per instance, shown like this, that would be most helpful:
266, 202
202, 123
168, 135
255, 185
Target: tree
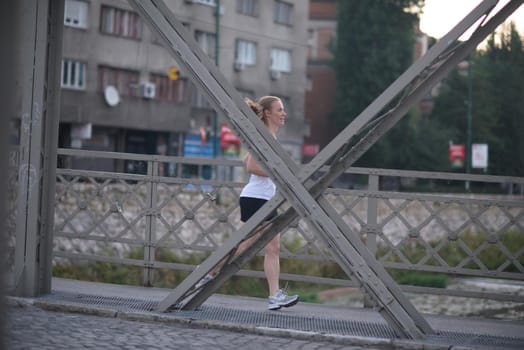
499, 94
375, 44
497, 74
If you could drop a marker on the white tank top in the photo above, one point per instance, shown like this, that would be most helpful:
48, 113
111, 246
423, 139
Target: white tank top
259, 187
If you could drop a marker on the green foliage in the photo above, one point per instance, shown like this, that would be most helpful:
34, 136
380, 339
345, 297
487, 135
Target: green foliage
492, 256
308, 294
420, 278
497, 81
417, 143
99, 272
375, 44
167, 278
452, 253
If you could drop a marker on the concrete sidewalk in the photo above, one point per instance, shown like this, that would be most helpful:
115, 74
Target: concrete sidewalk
305, 321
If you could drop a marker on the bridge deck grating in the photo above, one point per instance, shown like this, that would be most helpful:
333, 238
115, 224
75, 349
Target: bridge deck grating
280, 320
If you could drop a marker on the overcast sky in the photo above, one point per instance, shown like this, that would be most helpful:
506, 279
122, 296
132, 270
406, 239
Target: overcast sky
442, 15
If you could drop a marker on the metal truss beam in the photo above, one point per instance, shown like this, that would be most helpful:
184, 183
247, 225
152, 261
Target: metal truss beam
345, 245
38, 32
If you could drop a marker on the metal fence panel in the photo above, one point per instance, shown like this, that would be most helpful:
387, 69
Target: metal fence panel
103, 216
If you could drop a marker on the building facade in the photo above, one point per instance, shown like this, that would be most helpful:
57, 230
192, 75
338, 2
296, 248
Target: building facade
117, 94
320, 96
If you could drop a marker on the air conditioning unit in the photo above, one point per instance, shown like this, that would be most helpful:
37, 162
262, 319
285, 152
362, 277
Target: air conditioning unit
203, 2
275, 74
146, 90
239, 66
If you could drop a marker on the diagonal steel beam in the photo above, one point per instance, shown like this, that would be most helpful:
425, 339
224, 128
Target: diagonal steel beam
431, 55
301, 200
439, 73
395, 115
424, 86
282, 169
360, 148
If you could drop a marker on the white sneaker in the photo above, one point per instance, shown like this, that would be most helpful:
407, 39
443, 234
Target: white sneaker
203, 281
190, 293
281, 299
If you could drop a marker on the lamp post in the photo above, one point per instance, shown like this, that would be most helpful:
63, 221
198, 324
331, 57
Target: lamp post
468, 142
217, 46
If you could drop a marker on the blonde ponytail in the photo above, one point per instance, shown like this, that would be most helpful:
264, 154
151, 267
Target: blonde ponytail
264, 103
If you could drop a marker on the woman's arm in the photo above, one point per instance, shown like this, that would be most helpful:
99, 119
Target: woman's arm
252, 166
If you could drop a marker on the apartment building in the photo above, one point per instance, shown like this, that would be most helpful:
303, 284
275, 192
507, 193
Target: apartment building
117, 92
320, 96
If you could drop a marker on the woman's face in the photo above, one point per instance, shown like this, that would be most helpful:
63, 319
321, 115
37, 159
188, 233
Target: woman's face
276, 115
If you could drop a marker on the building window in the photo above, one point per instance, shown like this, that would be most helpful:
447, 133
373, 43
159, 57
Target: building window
120, 22
168, 90
73, 74
75, 13
248, 7
198, 99
246, 93
312, 42
205, 2
125, 81
246, 52
281, 60
283, 13
155, 39
206, 41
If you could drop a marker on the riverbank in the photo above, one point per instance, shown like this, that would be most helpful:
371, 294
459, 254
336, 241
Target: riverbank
448, 305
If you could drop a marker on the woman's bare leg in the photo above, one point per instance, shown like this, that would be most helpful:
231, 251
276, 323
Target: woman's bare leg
240, 249
272, 264
271, 260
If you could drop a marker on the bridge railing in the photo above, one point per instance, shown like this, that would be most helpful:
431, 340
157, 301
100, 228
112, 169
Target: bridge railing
144, 220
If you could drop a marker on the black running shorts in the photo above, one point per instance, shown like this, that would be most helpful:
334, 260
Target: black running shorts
249, 206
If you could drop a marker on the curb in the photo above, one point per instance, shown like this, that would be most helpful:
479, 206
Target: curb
18, 302
383, 343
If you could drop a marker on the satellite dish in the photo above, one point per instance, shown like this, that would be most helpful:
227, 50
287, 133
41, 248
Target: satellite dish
111, 95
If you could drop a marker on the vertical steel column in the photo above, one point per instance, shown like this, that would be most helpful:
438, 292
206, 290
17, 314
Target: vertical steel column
149, 249
7, 61
371, 224
216, 152
39, 56
469, 155
372, 215
51, 119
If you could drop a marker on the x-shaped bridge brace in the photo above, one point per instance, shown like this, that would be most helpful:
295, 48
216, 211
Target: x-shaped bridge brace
294, 183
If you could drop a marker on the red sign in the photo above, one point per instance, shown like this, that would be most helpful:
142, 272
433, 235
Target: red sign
227, 137
457, 154
309, 149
